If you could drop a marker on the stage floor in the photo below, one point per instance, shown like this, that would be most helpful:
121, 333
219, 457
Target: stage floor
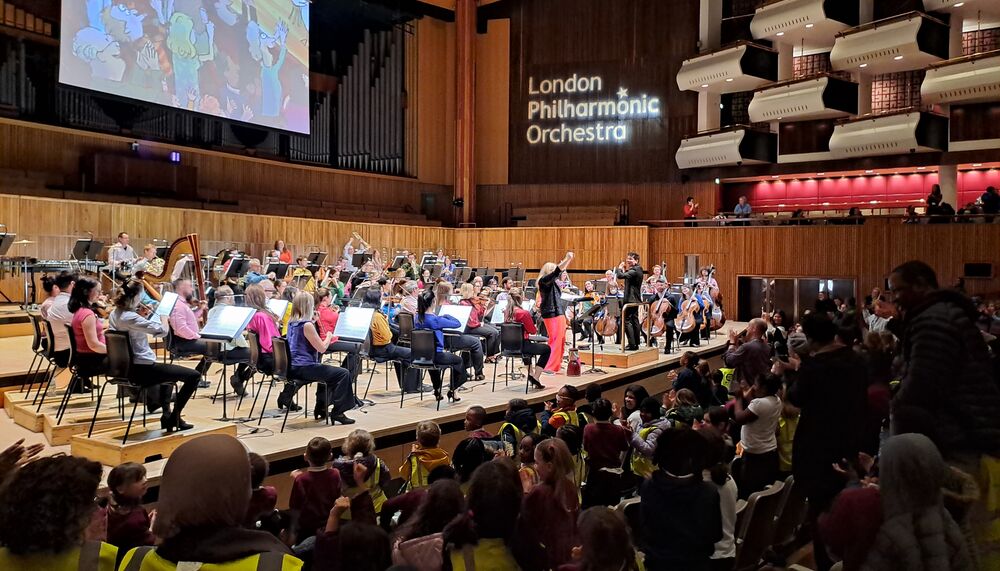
391, 425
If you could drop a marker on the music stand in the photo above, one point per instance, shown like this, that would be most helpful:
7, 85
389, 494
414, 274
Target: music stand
225, 325
397, 262
463, 274
358, 296
317, 258
436, 270
593, 359
459, 312
279, 269
161, 251
87, 249
167, 303
601, 286
238, 268
428, 259
344, 277
5, 241
359, 260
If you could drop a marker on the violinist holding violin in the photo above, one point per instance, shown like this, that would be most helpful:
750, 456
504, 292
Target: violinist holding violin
184, 321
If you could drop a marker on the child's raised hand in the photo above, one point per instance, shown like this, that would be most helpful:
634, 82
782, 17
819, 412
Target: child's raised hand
340, 506
360, 471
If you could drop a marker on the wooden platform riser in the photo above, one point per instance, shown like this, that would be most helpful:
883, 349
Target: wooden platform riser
143, 444
79, 423
23, 412
621, 360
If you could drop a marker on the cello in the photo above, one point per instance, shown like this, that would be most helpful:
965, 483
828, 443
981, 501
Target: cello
717, 317
685, 320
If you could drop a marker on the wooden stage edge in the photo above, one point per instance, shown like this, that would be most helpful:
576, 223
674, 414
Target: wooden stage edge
393, 427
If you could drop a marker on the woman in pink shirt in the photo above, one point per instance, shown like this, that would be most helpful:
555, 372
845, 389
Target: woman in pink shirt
88, 332
265, 325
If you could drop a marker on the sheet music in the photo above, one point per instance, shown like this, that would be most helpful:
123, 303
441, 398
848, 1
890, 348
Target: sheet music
459, 312
167, 303
229, 323
278, 307
354, 323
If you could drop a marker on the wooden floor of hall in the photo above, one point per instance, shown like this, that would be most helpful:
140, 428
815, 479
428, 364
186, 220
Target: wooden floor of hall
391, 425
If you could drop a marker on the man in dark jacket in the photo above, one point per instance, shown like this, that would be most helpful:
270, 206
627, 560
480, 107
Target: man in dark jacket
948, 390
633, 294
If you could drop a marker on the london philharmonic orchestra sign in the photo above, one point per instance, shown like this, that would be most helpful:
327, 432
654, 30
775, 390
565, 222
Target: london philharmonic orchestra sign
577, 110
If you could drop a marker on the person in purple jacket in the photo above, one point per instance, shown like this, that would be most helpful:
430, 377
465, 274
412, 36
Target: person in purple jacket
437, 323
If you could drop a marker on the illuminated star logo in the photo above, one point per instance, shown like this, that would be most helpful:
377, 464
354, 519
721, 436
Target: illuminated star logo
622, 93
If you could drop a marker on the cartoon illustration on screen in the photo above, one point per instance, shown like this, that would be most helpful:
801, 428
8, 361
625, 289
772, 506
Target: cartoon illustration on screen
244, 60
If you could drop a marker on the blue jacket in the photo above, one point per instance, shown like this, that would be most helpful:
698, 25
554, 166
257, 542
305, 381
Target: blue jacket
436, 323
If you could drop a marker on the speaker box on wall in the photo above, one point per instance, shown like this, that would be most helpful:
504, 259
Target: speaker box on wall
978, 270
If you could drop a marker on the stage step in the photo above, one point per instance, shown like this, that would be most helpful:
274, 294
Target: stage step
614, 357
24, 413
78, 422
144, 444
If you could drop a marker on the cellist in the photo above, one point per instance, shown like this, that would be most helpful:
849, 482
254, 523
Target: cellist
689, 319
672, 303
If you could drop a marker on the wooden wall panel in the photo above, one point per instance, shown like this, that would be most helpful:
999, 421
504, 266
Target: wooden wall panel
41, 148
435, 101
55, 225
865, 253
597, 249
652, 201
492, 102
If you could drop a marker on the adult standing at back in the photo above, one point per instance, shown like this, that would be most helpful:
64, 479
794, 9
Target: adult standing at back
949, 390
750, 355
555, 320
831, 390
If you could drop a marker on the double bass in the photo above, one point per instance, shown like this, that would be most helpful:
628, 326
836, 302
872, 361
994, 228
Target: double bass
717, 317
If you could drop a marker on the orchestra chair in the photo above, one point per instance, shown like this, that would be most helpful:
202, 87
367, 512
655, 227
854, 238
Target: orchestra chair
175, 353
405, 322
253, 344
53, 370
216, 353
75, 378
364, 353
422, 350
120, 375
511, 348
282, 372
756, 531
39, 344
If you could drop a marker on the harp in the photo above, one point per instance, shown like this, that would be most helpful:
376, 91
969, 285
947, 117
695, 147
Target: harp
182, 260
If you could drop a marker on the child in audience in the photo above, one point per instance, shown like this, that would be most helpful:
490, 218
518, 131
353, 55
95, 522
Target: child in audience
717, 459
519, 420
475, 419
316, 488
547, 525
402, 507
359, 446
282, 524
680, 513
418, 543
128, 522
629, 413
484, 534
263, 498
591, 394
563, 411
604, 443
787, 424
759, 422
526, 454
685, 409
605, 544
470, 454
425, 456
573, 437
644, 441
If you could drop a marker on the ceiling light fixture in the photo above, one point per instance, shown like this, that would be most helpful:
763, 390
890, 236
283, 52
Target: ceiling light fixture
869, 171
820, 173
774, 176
921, 168
704, 85
810, 25
864, 65
959, 5
730, 80
977, 165
779, 34
897, 58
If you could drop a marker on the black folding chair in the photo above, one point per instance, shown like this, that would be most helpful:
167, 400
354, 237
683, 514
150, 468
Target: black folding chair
423, 348
511, 348
282, 372
52, 371
120, 376
405, 322
39, 343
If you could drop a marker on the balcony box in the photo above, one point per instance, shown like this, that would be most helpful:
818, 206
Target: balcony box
818, 97
972, 79
899, 133
731, 147
808, 24
902, 43
739, 67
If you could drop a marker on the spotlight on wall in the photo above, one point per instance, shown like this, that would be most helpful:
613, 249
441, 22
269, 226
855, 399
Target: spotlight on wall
134, 146
175, 157
717, 181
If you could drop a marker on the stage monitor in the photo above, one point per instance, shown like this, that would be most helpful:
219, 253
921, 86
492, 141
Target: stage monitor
241, 60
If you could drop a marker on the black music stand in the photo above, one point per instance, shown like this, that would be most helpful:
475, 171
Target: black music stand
278, 268
397, 262
352, 327
317, 258
436, 270
225, 326
88, 249
359, 260
344, 277
593, 361
5, 241
463, 275
238, 268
